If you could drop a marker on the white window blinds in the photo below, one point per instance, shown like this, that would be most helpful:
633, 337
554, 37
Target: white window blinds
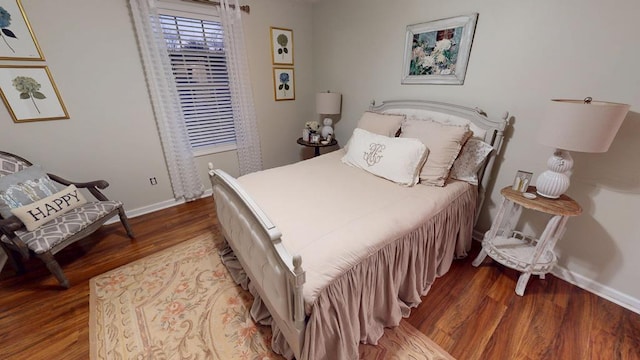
196, 49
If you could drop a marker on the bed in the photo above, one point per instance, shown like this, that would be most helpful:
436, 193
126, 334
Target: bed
334, 254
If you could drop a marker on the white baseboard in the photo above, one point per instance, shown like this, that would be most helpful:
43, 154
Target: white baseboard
613, 295
155, 207
583, 282
477, 235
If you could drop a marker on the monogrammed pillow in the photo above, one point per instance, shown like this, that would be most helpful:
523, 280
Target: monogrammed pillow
49, 208
395, 159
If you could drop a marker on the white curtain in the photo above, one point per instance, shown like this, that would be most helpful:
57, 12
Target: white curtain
244, 113
181, 164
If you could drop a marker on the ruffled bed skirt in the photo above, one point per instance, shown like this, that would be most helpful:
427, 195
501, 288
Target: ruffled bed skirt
378, 292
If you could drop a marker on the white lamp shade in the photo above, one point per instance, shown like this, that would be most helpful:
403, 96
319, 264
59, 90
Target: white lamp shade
328, 103
577, 125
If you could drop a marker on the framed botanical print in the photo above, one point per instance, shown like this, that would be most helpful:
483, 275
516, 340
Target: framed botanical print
17, 41
281, 46
437, 52
30, 93
284, 84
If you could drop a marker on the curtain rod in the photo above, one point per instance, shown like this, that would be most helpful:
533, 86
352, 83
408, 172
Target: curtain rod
244, 8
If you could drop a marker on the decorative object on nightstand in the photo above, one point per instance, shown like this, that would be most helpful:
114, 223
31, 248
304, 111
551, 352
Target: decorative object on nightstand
310, 129
317, 145
522, 180
575, 125
522, 252
328, 103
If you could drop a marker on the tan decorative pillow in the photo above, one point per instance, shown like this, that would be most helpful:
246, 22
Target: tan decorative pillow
381, 124
444, 143
49, 208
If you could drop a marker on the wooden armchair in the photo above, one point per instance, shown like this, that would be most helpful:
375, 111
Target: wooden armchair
55, 235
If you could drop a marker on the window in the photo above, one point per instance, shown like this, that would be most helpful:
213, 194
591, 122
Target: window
196, 50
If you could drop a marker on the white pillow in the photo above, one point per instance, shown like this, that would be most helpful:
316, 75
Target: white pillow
395, 159
444, 143
49, 208
472, 156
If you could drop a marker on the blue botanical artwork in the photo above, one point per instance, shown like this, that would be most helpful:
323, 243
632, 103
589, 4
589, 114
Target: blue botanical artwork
284, 83
17, 40
5, 21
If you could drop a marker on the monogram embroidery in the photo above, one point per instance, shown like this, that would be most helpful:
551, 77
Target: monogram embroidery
374, 155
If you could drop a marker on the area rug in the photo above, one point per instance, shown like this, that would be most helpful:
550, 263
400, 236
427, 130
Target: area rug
181, 303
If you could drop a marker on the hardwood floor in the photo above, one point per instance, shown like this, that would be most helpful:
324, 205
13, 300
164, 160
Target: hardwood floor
473, 313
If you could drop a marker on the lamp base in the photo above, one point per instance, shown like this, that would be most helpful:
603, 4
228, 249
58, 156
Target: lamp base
327, 129
555, 180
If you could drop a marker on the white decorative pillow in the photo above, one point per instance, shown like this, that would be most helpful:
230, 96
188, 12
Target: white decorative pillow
49, 208
472, 156
444, 143
395, 159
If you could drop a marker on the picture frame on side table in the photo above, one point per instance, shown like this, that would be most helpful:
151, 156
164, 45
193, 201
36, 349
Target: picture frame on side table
281, 46
30, 93
18, 40
284, 84
522, 180
437, 52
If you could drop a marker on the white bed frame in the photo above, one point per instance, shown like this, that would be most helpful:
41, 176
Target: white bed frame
277, 275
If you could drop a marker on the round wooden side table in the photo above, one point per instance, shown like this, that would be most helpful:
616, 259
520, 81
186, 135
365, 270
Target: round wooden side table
317, 146
522, 252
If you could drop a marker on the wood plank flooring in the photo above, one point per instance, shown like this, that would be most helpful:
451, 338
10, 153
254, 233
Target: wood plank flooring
473, 313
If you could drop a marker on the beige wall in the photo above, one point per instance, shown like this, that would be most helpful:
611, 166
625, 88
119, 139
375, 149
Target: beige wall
91, 50
524, 53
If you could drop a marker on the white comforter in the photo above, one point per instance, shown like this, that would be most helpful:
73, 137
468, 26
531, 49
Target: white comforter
335, 215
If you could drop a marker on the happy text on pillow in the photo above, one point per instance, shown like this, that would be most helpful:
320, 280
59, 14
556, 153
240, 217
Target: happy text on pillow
59, 204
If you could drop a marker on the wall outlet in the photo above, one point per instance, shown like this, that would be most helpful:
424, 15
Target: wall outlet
153, 181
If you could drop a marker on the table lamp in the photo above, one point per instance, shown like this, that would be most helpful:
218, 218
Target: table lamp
328, 103
575, 125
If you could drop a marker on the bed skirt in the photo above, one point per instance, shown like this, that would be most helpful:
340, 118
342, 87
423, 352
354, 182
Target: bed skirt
379, 291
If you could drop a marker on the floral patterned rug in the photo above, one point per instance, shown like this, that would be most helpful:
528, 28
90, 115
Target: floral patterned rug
181, 303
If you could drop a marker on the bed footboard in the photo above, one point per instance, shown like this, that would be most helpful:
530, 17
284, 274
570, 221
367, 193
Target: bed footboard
257, 244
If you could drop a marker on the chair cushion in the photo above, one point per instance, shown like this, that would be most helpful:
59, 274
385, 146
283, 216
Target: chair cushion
58, 230
10, 164
23, 188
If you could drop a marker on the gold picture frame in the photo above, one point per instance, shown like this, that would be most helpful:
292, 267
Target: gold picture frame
18, 40
281, 46
30, 93
284, 84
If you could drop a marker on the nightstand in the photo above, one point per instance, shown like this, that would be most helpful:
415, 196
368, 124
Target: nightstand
525, 253
317, 146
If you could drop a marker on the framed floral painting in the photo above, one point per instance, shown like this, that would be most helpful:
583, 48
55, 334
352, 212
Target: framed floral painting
281, 46
17, 39
284, 84
30, 93
437, 52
